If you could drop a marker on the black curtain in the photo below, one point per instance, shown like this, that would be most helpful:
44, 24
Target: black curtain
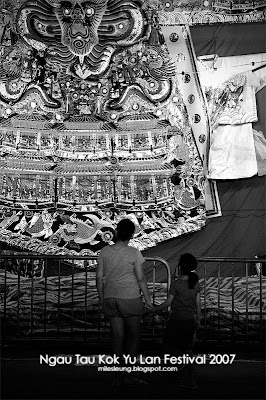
229, 40
240, 232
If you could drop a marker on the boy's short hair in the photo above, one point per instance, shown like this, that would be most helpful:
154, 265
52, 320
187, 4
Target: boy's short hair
125, 229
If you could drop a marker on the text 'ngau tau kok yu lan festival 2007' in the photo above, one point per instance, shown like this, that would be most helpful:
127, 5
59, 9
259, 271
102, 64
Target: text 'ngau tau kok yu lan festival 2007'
132, 192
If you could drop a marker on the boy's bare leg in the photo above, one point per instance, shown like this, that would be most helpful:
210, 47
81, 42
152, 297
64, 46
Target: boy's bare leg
118, 337
133, 327
133, 330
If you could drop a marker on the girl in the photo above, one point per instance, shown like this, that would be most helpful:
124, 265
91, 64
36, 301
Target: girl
184, 299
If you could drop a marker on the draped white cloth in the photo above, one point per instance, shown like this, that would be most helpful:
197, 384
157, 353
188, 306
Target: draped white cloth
236, 150
232, 152
260, 148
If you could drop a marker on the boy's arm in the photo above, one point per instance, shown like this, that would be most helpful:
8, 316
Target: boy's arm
198, 310
99, 279
165, 304
142, 283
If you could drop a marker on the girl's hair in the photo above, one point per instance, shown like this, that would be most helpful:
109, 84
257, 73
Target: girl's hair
188, 264
125, 229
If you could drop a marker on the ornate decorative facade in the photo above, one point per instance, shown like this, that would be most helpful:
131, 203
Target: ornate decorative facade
93, 128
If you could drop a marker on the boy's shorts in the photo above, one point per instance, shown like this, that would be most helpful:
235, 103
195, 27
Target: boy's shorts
116, 307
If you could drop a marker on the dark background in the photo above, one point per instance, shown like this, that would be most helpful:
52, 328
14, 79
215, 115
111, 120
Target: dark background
240, 231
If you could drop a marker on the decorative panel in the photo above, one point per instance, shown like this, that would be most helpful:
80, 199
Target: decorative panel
94, 127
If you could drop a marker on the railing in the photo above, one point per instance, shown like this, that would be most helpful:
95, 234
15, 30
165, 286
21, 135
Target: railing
233, 305
54, 297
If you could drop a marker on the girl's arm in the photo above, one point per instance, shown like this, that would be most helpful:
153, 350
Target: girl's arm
164, 305
99, 279
198, 310
142, 283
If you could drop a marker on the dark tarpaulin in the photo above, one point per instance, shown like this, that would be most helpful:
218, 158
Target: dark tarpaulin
240, 232
229, 39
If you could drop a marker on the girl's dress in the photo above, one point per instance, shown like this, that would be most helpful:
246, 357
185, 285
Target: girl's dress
181, 326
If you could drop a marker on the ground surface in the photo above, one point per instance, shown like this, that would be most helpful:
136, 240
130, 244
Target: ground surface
23, 377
